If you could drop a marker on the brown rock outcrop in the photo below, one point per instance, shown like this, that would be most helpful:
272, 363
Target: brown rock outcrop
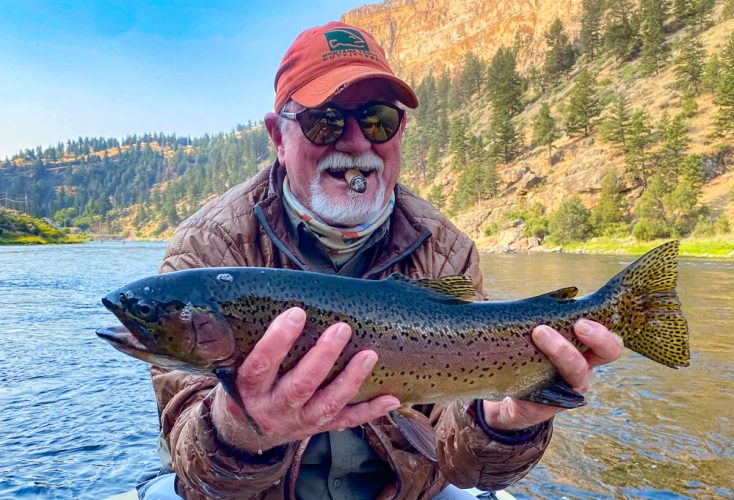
429, 35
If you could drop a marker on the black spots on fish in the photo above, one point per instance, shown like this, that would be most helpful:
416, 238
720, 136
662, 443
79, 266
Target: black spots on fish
395, 337
170, 338
448, 366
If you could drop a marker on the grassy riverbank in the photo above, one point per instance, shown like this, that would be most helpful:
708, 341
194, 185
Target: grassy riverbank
713, 247
17, 228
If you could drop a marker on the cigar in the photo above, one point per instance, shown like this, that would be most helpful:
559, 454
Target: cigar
356, 180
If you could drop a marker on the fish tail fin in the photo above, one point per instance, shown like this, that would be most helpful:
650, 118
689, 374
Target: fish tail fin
647, 313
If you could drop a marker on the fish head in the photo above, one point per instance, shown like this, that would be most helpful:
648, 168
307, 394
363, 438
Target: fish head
166, 328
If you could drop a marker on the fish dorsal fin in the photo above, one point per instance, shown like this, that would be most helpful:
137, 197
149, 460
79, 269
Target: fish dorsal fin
454, 287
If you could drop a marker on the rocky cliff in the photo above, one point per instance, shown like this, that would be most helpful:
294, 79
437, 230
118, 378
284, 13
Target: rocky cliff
430, 35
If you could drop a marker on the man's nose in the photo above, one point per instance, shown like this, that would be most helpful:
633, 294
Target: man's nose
352, 140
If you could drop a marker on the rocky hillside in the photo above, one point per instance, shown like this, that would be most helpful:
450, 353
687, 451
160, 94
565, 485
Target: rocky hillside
423, 37
429, 35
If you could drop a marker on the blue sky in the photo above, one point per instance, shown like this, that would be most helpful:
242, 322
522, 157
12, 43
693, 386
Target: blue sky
117, 67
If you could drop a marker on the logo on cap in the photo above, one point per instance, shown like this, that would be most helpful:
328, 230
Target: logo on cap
345, 39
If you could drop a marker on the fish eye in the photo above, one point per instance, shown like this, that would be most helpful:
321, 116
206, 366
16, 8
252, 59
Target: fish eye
146, 309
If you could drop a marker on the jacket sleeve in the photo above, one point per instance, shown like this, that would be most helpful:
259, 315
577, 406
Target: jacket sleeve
206, 466
470, 454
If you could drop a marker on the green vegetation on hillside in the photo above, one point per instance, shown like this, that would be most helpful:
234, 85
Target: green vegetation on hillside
580, 93
140, 187
21, 229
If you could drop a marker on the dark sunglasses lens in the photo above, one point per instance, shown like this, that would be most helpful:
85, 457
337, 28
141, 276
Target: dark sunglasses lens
321, 126
379, 122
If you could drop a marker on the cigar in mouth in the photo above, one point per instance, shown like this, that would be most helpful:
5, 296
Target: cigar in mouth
356, 180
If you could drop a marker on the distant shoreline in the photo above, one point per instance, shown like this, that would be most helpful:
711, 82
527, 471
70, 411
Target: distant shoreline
720, 248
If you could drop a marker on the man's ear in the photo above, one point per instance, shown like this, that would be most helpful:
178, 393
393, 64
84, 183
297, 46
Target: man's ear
272, 125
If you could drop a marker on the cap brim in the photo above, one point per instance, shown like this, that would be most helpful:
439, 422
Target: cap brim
324, 87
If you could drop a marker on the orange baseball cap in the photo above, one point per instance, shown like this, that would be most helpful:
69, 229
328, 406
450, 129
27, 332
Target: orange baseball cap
324, 60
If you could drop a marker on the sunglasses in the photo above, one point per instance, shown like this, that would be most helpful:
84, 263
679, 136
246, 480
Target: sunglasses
378, 121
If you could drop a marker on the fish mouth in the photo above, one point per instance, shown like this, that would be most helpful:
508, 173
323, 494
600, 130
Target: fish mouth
123, 340
126, 342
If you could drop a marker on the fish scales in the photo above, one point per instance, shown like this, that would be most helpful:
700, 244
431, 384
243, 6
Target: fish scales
432, 345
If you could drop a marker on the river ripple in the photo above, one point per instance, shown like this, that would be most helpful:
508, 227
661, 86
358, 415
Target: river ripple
79, 419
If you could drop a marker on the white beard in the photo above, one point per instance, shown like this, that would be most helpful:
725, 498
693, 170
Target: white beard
357, 208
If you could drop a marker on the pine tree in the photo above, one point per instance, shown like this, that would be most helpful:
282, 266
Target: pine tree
583, 105
505, 141
590, 36
458, 141
639, 141
613, 128
724, 94
674, 146
622, 31
545, 130
436, 197
692, 12
504, 83
688, 65
653, 52
560, 57
608, 215
711, 73
472, 75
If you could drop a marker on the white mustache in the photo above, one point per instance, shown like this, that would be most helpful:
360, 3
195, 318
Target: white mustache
338, 161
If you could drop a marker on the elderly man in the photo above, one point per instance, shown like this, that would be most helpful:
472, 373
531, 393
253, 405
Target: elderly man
339, 107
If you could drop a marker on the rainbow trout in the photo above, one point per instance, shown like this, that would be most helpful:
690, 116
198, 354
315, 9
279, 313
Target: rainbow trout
433, 345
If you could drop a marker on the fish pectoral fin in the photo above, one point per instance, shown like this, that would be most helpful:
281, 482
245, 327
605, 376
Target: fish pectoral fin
555, 393
227, 377
417, 430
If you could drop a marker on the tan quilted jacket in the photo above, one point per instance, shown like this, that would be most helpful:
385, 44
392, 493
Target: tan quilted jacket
245, 227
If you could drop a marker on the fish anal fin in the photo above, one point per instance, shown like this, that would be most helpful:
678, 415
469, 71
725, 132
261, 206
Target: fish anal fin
227, 377
555, 393
417, 430
565, 293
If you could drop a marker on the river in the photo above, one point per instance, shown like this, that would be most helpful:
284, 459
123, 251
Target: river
79, 419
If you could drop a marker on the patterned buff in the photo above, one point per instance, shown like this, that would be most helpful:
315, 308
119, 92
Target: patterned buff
340, 242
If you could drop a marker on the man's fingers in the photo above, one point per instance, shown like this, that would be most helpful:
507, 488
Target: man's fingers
329, 401
298, 385
604, 346
257, 373
357, 414
570, 363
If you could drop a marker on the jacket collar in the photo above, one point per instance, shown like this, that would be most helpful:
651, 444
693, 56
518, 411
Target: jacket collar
405, 236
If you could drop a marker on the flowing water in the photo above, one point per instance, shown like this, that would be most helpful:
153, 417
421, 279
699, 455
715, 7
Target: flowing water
78, 419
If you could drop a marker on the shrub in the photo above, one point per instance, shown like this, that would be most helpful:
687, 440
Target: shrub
571, 222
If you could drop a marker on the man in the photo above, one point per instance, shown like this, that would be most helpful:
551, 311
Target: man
339, 107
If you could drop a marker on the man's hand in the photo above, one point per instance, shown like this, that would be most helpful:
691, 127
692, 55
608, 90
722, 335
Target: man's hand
575, 368
292, 407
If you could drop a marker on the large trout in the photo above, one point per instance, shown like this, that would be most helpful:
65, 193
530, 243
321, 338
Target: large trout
433, 345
